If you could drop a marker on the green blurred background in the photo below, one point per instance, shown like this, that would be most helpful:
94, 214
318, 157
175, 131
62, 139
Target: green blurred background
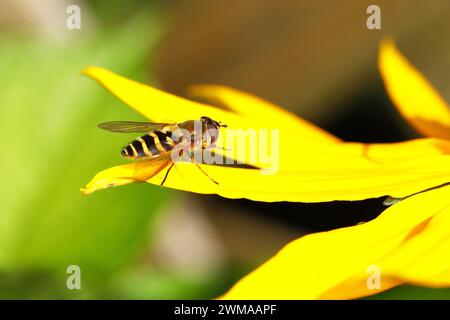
316, 58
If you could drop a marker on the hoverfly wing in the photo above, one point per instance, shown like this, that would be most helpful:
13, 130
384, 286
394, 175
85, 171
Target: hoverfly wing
148, 168
132, 126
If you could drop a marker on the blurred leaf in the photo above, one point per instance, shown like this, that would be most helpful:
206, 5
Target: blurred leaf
154, 284
51, 147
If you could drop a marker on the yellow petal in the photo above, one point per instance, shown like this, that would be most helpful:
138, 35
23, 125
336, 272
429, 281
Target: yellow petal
315, 265
424, 258
152, 103
399, 151
124, 174
305, 170
247, 112
354, 288
412, 94
337, 181
160, 106
260, 111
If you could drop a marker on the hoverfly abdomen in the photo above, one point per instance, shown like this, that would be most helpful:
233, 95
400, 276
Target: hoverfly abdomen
164, 142
134, 150
149, 145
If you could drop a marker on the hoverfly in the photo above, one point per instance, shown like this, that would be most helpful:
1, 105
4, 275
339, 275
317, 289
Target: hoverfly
161, 139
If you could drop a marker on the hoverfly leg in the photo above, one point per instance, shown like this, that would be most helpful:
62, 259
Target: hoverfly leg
191, 155
167, 174
203, 171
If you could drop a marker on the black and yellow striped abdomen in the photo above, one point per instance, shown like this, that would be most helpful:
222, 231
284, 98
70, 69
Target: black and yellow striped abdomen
149, 145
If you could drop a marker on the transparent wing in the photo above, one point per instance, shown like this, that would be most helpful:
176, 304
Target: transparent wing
131, 126
144, 170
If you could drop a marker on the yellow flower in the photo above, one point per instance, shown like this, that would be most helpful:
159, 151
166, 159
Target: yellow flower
314, 166
408, 243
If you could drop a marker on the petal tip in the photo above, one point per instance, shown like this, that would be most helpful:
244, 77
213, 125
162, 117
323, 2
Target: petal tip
92, 71
88, 70
86, 191
387, 41
387, 48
